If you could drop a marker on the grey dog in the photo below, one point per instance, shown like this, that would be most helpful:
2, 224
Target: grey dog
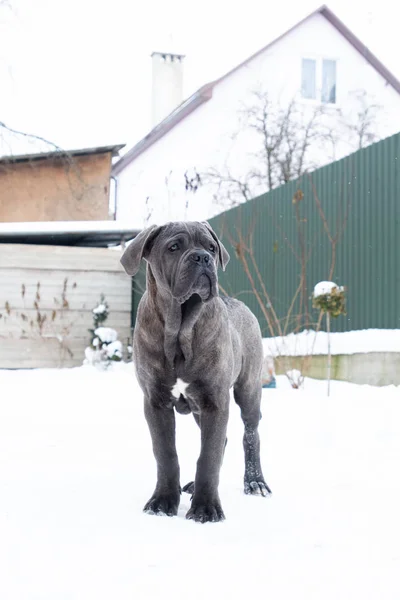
190, 347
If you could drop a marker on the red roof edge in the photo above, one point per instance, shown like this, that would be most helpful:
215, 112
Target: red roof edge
360, 47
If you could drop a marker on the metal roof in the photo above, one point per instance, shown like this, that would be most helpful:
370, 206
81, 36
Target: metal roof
94, 234
59, 153
205, 93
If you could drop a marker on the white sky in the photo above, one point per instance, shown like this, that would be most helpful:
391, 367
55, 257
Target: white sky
78, 72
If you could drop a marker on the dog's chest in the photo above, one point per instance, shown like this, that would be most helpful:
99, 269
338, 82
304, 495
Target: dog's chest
179, 388
184, 399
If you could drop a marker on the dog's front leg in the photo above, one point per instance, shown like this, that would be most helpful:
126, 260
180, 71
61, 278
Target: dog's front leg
161, 422
206, 505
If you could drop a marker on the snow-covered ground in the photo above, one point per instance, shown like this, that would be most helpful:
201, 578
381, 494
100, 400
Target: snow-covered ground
350, 342
76, 468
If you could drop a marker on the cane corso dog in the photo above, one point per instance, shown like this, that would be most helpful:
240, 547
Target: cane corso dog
190, 347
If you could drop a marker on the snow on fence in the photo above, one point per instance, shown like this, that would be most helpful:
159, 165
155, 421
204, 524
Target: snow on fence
47, 294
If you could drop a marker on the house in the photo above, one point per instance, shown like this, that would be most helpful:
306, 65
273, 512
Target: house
57, 185
318, 63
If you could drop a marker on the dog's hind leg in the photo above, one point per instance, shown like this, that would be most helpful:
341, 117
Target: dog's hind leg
248, 397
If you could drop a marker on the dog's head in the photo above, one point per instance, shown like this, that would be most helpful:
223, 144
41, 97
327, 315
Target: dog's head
183, 257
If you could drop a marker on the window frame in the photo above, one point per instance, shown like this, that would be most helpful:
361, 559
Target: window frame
318, 81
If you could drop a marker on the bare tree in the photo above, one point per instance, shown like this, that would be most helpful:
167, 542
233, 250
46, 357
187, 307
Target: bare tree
362, 124
286, 142
279, 321
9, 134
79, 186
285, 137
283, 141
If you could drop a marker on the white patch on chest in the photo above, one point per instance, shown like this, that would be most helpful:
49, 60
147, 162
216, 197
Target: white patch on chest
179, 388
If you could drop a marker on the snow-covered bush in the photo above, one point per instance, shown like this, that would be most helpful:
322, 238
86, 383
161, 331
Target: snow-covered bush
330, 298
104, 346
106, 335
296, 378
129, 353
100, 316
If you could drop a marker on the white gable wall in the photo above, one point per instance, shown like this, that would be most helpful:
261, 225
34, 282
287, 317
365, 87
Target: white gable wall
204, 138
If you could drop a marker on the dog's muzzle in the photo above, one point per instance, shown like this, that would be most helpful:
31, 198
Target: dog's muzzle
201, 257
197, 275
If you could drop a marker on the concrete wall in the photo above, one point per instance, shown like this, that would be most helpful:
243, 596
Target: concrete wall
56, 189
373, 368
84, 274
152, 188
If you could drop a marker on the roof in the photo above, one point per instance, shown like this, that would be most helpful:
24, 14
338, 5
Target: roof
18, 158
183, 110
205, 93
94, 234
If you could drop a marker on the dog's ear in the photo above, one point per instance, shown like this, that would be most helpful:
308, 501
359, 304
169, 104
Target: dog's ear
138, 249
222, 251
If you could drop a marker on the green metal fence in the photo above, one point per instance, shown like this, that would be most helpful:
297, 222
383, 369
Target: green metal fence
283, 242
340, 222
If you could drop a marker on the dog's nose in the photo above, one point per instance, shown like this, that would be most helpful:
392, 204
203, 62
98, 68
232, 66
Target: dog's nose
201, 257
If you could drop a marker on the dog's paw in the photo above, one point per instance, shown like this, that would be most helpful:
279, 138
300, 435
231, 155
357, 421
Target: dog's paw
257, 488
189, 488
163, 504
204, 512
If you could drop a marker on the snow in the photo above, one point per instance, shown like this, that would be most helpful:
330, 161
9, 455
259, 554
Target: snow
351, 342
100, 357
76, 468
100, 309
106, 334
326, 287
295, 377
115, 348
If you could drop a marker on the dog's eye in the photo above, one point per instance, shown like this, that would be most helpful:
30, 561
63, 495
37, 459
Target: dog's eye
212, 248
173, 247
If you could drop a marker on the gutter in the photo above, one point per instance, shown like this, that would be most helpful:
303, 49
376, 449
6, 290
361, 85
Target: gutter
115, 197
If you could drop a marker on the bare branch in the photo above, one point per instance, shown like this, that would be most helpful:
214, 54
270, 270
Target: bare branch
361, 122
30, 136
287, 142
78, 185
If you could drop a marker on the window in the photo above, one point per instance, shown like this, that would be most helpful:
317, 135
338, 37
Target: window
308, 78
328, 94
318, 80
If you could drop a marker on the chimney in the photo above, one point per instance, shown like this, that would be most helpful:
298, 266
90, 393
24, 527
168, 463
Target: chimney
167, 87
